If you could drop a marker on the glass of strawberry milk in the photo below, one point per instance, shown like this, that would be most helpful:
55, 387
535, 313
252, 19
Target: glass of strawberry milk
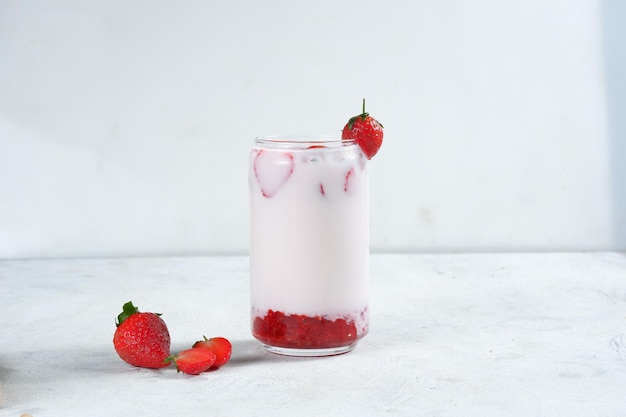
309, 248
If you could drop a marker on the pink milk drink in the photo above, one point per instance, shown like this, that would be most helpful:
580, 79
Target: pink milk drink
309, 248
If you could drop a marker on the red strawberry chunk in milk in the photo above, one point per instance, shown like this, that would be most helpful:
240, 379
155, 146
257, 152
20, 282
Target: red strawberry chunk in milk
346, 184
272, 169
348, 179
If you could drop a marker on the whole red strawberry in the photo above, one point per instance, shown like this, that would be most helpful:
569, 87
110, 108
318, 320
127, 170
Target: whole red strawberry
220, 346
192, 361
367, 132
141, 339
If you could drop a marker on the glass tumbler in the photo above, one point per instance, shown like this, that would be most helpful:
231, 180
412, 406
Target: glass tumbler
309, 244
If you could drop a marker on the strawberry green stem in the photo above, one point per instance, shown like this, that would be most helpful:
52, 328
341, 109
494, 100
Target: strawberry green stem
170, 359
363, 116
128, 309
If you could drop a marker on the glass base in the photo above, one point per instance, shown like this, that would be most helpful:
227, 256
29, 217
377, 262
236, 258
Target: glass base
310, 352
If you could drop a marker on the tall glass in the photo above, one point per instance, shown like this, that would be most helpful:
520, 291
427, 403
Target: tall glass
309, 249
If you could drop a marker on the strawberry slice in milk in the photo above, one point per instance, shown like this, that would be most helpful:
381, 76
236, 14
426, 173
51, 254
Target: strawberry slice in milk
346, 184
272, 169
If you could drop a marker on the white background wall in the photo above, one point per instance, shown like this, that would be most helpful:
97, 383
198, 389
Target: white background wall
125, 125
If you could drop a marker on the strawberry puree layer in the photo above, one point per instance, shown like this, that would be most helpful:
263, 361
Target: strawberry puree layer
309, 242
305, 332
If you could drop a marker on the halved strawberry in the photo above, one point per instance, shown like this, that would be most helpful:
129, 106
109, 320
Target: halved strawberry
220, 346
367, 132
272, 169
192, 361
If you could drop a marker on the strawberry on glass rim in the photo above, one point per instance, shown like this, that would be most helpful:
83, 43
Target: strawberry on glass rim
367, 131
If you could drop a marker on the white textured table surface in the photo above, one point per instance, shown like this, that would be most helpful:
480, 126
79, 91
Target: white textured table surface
451, 335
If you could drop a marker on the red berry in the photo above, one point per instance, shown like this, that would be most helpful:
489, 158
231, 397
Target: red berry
141, 339
220, 346
367, 132
192, 361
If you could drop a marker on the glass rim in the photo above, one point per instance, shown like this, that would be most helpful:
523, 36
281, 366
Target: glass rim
303, 141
